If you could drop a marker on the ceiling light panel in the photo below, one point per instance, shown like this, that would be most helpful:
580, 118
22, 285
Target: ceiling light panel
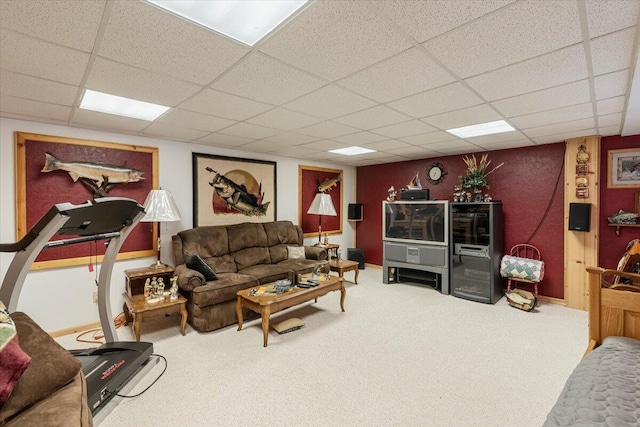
489, 128
121, 106
352, 151
246, 21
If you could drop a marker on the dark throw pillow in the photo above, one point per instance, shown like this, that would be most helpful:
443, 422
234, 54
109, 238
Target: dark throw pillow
195, 262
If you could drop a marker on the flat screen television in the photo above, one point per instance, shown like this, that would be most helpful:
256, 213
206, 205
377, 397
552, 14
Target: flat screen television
421, 221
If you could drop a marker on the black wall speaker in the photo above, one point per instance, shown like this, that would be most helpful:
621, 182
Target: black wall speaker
355, 254
579, 216
354, 212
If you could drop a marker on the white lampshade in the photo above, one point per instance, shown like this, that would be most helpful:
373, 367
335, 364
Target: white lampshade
322, 205
160, 207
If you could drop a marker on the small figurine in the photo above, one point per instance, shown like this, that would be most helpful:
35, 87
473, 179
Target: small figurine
391, 194
174, 288
147, 289
154, 287
160, 287
414, 184
326, 239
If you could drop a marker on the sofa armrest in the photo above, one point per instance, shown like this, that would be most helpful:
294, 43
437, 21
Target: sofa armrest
188, 279
315, 252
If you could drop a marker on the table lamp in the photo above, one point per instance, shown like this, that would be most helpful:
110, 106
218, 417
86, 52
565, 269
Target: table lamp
322, 205
160, 207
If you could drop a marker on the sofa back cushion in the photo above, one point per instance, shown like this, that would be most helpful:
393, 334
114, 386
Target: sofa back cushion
281, 234
211, 241
251, 256
246, 235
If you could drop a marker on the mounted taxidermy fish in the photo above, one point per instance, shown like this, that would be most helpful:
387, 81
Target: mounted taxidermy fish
237, 197
98, 177
329, 183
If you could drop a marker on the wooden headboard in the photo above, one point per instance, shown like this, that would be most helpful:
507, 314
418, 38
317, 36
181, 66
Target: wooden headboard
614, 309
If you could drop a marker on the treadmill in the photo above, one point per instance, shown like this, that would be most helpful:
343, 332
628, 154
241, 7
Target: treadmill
108, 368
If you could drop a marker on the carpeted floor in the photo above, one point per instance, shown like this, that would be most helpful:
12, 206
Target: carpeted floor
401, 355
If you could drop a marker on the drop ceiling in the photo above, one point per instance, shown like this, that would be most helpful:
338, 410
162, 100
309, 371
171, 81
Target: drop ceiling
385, 75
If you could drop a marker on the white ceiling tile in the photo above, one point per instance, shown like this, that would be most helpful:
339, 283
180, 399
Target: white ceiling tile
414, 151
452, 147
123, 80
292, 138
360, 138
446, 98
430, 138
611, 105
373, 118
36, 58
324, 145
247, 130
520, 31
613, 52
263, 146
408, 128
189, 119
327, 130
144, 36
405, 74
566, 114
164, 131
220, 104
610, 85
560, 128
424, 20
504, 145
22, 86
560, 137
303, 42
281, 118
108, 122
497, 138
610, 120
221, 140
547, 99
65, 22
297, 151
331, 101
610, 130
606, 16
553, 69
34, 109
266, 80
465, 117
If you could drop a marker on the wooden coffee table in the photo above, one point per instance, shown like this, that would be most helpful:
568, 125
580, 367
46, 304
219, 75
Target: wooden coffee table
342, 265
267, 304
141, 309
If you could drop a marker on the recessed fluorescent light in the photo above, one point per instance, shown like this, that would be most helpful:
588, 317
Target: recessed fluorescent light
112, 104
489, 128
351, 151
247, 21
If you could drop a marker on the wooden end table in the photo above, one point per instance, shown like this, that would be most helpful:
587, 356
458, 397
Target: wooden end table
141, 309
137, 276
343, 265
267, 304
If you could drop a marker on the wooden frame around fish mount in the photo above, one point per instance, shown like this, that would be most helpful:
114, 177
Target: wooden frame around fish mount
36, 192
309, 178
256, 202
617, 161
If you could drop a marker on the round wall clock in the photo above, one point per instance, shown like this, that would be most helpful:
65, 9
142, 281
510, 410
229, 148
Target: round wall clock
436, 173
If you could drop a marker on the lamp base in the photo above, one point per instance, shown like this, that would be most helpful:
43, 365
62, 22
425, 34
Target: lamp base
158, 264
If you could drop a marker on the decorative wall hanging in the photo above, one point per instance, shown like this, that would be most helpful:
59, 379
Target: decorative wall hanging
231, 190
314, 180
623, 168
582, 171
53, 169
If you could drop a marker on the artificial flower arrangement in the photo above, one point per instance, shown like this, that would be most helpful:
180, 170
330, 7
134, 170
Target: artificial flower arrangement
476, 176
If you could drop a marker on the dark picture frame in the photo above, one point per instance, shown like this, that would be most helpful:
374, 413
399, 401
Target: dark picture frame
309, 178
37, 191
623, 168
246, 190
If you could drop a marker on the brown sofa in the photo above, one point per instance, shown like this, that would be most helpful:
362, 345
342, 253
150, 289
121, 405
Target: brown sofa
242, 256
52, 391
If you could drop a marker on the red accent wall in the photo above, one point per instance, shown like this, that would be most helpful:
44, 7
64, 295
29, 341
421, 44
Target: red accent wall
530, 185
612, 200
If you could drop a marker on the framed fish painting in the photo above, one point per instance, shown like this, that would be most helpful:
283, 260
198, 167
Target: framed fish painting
312, 181
53, 169
231, 190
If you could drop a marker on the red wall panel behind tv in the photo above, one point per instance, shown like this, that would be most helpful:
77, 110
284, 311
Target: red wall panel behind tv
530, 185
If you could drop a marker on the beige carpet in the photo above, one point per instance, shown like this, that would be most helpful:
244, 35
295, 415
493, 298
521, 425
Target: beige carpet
401, 355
